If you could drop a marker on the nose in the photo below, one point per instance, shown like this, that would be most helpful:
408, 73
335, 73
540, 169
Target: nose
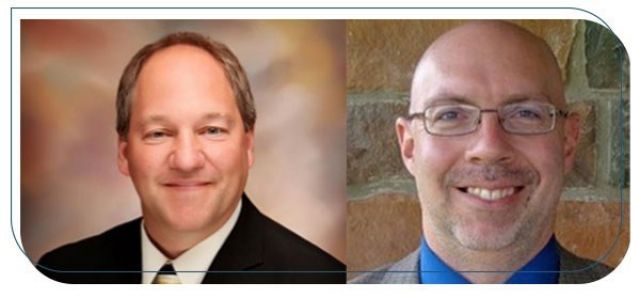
187, 155
490, 143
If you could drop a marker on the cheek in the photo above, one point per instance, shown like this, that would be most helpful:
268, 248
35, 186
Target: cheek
227, 156
433, 159
146, 160
546, 157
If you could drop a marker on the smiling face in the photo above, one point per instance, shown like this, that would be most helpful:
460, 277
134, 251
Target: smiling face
187, 151
489, 189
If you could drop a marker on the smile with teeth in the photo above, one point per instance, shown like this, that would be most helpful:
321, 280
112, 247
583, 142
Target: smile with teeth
491, 194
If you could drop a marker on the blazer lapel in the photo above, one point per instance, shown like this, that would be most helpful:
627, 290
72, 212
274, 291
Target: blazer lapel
132, 257
404, 271
242, 250
123, 255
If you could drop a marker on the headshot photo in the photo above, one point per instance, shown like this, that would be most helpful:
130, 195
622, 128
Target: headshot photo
486, 151
183, 152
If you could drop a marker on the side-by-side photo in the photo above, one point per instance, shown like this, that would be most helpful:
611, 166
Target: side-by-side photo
323, 151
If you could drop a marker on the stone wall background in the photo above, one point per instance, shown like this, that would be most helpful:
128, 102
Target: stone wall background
383, 210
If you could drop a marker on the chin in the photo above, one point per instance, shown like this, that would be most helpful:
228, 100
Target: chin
486, 238
189, 225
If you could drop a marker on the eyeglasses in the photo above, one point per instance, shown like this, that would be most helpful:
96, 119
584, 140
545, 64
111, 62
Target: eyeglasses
522, 118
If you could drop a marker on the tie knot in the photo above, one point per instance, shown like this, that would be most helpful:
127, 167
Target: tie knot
166, 275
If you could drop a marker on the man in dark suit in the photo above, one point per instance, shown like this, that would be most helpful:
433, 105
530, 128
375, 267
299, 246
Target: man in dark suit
488, 140
185, 120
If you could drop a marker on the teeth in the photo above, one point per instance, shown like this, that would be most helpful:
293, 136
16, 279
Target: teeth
491, 195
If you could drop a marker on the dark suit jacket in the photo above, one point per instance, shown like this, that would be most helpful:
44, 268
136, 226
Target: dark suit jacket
258, 250
573, 270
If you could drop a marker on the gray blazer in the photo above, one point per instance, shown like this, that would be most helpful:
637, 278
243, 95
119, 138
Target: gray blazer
573, 270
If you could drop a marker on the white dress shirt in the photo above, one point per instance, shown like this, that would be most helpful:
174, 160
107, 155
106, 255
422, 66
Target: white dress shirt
196, 260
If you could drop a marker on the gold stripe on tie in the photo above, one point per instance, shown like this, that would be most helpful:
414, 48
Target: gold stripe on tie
165, 279
167, 275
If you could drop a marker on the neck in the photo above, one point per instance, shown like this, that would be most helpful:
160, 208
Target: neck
173, 242
503, 262
172, 245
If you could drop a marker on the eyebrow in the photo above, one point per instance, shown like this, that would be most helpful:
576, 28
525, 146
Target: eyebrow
154, 119
162, 119
450, 98
541, 97
217, 116
447, 98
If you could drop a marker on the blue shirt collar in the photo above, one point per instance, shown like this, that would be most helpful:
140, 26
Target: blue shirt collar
542, 269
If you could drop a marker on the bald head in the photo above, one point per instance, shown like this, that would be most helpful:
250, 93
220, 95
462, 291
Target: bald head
488, 61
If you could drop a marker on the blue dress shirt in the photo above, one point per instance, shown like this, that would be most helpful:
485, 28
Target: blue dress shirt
542, 269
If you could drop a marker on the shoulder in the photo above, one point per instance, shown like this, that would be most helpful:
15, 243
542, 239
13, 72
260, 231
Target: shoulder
105, 251
284, 248
258, 243
577, 270
404, 271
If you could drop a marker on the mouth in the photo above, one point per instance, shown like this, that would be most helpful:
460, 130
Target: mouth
186, 184
491, 195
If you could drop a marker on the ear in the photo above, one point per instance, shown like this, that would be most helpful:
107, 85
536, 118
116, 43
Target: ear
123, 162
571, 139
406, 143
249, 137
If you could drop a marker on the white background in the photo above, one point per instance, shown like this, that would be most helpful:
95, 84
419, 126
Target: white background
19, 277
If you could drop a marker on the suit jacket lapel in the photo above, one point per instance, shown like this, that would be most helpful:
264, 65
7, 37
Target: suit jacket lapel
132, 257
404, 271
124, 253
243, 248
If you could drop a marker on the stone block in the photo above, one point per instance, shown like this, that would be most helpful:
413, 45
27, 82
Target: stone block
594, 230
382, 54
381, 229
606, 57
584, 169
619, 134
372, 146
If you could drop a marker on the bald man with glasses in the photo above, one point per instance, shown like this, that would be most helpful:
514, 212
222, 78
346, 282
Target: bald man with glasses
488, 139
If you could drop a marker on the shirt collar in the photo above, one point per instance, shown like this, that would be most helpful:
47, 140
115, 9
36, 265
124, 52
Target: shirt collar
192, 265
542, 269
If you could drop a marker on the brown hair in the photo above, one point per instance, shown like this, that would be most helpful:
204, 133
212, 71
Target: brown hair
232, 68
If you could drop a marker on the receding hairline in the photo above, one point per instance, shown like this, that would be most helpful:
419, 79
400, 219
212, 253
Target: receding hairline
180, 47
177, 47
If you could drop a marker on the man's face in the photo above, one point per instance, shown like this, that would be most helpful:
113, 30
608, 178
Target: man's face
489, 189
187, 152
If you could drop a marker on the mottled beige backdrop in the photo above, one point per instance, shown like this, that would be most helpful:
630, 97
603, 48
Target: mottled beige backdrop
70, 186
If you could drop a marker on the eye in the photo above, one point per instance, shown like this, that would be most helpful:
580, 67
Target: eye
155, 135
214, 131
450, 113
527, 114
